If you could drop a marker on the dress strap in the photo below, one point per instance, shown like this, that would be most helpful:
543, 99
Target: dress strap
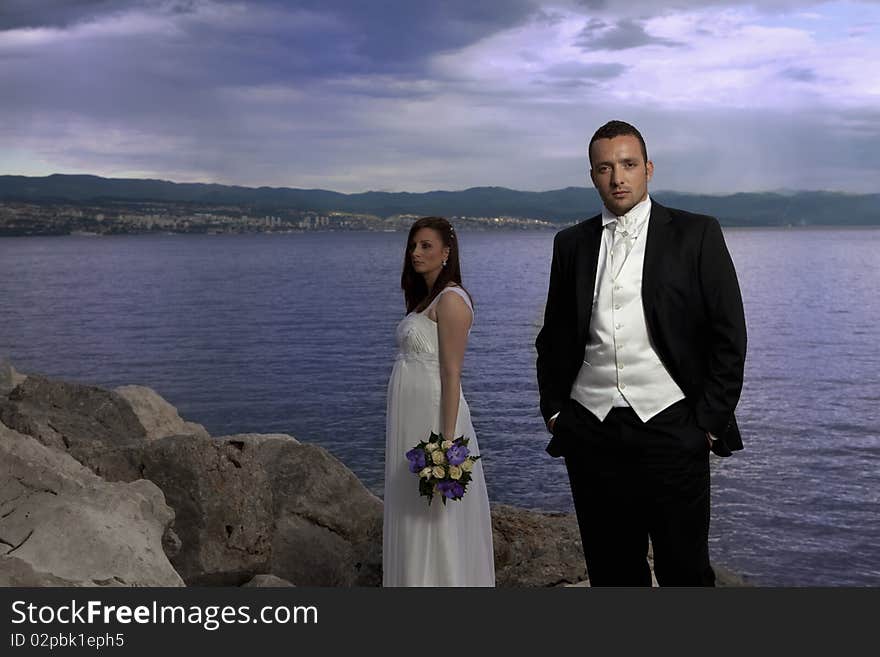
459, 291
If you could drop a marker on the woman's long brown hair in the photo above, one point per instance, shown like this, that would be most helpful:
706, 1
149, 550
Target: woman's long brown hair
415, 290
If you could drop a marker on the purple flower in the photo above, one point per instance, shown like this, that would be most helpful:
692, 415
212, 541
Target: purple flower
416, 458
451, 489
457, 454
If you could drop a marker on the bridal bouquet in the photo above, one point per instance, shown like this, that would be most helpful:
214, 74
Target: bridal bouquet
443, 466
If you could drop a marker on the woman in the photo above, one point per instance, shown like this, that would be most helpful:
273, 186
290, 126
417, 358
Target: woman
436, 544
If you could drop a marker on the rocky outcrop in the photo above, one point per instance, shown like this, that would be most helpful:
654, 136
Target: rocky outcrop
222, 534
223, 503
61, 525
159, 418
536, 549
97, 427
327, 525
267, 581
725, 577
9, 378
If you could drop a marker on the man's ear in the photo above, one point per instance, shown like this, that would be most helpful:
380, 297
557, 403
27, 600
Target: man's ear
649, 167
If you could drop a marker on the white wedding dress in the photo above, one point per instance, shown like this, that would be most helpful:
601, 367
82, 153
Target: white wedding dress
432, 545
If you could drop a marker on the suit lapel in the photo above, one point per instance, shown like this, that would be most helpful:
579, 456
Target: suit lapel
657, 245
587, 259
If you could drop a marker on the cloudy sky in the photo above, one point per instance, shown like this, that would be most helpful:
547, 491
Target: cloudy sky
409, 95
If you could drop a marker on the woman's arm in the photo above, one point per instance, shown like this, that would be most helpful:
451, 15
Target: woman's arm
454, 319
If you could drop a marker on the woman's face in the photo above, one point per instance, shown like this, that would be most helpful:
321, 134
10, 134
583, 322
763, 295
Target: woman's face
426, 251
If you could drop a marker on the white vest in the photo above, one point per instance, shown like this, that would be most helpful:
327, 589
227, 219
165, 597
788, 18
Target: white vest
620, 365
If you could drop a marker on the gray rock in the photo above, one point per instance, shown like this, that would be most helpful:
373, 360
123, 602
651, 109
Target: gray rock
95, 426
61, 525
535, 548
222, 534
223, 503
328, 526
275, 441
726, 577
267, 581
159, 418
9, 378
171, 543
15, 572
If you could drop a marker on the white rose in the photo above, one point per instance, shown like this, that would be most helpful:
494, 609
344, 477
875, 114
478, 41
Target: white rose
438, 457
447, 444
425, 473
467, 465
430, 447
455, 472
439, 471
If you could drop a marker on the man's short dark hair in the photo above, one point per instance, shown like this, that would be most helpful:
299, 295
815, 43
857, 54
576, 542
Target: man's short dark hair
618, 129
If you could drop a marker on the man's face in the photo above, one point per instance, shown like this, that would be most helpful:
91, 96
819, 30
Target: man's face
620, 173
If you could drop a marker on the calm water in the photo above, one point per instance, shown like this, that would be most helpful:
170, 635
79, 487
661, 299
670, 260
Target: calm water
294, 334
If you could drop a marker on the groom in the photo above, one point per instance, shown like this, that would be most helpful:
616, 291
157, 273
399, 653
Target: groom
640, 366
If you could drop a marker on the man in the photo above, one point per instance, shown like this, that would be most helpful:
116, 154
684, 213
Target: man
640, 366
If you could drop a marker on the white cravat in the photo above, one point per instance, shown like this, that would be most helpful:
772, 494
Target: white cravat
623, 240
633, 223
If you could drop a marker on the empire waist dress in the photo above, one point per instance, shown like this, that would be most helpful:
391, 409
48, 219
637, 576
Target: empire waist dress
432, 545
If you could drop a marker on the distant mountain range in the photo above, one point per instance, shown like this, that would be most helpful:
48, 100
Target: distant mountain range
815, 208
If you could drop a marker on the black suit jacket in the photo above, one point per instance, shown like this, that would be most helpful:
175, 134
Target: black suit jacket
693, 309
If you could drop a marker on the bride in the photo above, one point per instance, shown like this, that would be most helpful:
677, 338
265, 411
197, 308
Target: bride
436, 545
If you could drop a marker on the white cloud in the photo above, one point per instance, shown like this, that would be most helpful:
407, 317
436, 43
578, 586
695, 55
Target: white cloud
730, 59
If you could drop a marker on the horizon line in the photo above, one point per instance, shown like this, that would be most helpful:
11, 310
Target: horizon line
778, 191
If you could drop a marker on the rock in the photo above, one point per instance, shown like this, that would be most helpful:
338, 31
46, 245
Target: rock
95, 426
251, 509
223, 503
222, 534
15, 572
9, 378
726, 577
159, 418
267, 581
61, 525
535, 548
171, 543
276, 441
328, 526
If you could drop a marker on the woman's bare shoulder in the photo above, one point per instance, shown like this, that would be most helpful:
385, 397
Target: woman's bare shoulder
457, 304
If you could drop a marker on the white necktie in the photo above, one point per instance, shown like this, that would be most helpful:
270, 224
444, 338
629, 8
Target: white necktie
621, 245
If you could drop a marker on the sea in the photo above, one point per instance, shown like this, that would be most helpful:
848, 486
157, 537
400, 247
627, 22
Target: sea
293, 333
